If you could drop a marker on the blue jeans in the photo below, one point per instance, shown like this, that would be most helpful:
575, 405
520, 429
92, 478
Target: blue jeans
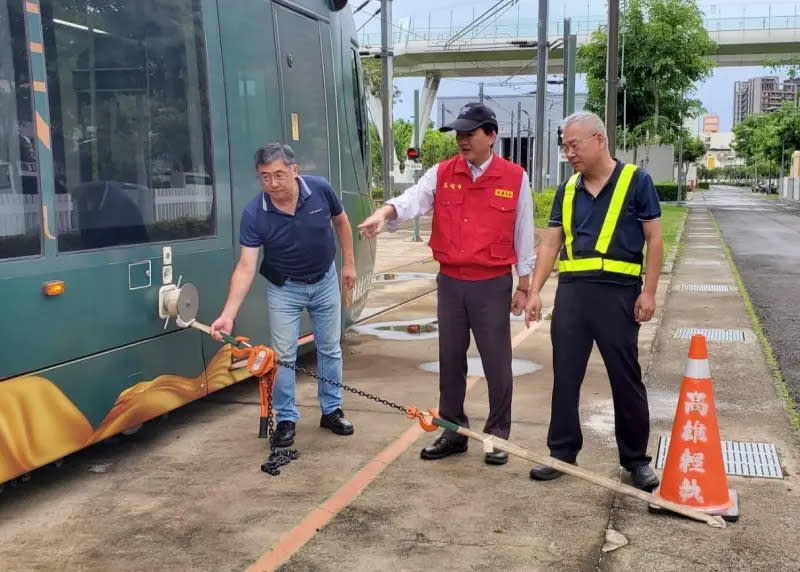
285, 308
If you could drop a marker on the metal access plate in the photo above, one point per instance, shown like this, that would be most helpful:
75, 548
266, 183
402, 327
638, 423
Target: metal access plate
740, 458
711, 334
704, 288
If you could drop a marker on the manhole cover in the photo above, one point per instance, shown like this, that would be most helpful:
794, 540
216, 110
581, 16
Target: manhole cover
740, 458
398, 276
475, 367
711, 334
704, 288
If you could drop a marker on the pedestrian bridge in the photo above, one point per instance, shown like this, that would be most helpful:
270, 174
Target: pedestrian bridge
506, 46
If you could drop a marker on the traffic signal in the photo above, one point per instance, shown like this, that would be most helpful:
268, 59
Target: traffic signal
412, 154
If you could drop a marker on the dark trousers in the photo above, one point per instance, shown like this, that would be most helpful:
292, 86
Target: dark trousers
482, 306
587, 312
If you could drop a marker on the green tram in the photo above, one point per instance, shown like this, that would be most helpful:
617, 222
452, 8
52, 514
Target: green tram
127, 135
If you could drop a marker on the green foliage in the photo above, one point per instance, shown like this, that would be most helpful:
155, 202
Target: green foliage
693, 149
667, 50
763, 137
373, 77
542, 205
703, 185
402, 132
376, 155
436, 147
667, 191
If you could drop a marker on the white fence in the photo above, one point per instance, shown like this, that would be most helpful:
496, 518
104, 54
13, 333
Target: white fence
22, 213
791, 188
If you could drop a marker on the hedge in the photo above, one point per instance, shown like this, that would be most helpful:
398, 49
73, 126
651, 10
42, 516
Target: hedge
703, 185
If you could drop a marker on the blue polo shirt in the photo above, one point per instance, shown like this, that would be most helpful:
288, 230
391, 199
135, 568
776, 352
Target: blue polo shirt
589, 212
300, 246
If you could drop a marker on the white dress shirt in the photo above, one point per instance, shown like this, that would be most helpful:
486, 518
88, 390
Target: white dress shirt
418, 200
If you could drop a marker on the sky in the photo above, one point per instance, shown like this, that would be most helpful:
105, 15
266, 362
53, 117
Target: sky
716, 93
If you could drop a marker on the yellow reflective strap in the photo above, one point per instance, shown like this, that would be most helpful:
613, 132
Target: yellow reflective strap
619, 267
566, 213
580, 265
615, 208
589, 264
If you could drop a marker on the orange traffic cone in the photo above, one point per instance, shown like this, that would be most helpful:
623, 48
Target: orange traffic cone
694, 472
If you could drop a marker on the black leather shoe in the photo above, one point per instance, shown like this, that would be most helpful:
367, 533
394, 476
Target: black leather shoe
496, 458
644, 477
336, 422
442, 448
542, 473
284, 434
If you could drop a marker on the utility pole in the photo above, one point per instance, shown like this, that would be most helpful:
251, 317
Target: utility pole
541, 93
480, 92
680, 167
519, 132
388, 137
529, 154
419, 156
549, 146
513, 148
565, 103
612, 73
624, 83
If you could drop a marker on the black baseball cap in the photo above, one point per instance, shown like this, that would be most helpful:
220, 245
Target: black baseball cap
472, 116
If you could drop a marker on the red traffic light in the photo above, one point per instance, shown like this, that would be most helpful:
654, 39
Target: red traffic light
412, 154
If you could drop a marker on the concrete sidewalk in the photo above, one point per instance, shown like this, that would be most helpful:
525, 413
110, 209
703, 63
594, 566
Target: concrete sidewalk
749, 409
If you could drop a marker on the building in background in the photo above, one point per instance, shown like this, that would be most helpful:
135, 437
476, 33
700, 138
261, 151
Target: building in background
719, 151
447, 107
710, 124
762, 95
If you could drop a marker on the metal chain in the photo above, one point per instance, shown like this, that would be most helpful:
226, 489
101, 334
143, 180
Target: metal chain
342, 385
276, 458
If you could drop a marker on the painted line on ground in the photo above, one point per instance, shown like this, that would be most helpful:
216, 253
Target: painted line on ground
296, 538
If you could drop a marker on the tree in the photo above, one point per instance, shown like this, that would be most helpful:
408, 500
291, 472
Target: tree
667, 50
373, 78
764, 137
693, 149
402, 131
436, 147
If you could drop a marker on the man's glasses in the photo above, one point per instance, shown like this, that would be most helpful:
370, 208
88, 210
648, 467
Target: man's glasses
575, 145
277, 176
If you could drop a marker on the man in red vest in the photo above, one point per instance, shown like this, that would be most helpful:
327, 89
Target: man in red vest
482, 226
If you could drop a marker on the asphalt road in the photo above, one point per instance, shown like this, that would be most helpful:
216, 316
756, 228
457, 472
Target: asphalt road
764, 238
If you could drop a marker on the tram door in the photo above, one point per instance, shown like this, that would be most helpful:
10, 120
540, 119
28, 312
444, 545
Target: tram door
303, 95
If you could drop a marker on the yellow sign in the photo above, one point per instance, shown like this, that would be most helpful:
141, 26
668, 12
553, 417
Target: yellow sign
711, 163
295, 127
504, 193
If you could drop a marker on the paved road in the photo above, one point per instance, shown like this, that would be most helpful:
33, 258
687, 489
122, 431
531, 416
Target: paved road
764, 237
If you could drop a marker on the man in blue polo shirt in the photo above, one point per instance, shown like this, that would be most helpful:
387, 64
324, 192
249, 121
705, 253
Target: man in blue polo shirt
600, 221
291, 219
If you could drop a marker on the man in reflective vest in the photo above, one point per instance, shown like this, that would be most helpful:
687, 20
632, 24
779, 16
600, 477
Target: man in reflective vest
599, 223
482, 226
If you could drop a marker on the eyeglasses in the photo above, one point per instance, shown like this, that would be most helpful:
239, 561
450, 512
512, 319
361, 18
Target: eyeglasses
575, 145
277, 176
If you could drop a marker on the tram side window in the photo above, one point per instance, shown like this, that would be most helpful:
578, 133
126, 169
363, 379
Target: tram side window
20, 202
358, 99
130, 121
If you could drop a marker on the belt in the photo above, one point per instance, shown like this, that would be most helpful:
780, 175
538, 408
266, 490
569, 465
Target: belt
312, 280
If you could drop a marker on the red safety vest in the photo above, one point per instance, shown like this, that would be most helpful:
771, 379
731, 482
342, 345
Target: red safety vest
473, 222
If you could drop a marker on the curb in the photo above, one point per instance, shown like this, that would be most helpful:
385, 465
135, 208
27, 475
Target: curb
769, 354
669, 261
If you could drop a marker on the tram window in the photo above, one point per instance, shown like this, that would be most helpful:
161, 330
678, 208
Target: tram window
130, 121
20, 202
358, 99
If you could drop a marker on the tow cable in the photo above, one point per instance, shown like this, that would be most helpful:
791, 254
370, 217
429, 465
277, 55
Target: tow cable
263, 364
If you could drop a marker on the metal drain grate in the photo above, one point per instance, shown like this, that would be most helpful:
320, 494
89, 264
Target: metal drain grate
711, 334
741, 459
704, 288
